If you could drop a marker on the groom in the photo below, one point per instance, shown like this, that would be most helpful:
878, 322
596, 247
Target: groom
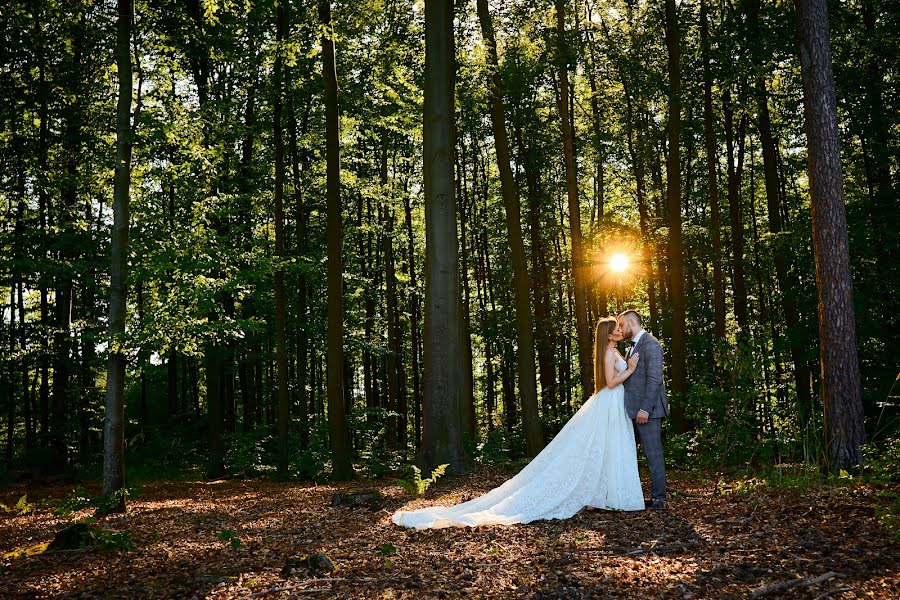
645, 400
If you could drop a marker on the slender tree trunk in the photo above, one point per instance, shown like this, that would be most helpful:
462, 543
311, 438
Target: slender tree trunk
844, 428
337, 424
280, 309
413, 322
300, 250
468, 378
540, 281
114, 427
786, 282
735, 209
676, 259
534, 436
712, 178
579, 267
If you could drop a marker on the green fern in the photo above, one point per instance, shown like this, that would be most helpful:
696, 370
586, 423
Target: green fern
22, 507
415, 485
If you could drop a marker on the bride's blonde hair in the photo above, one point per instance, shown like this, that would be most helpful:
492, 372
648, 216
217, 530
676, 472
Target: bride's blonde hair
605, 326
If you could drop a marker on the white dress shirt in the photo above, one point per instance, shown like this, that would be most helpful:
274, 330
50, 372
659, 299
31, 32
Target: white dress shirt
634, 341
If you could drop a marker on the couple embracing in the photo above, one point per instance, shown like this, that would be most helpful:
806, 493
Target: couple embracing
592, 461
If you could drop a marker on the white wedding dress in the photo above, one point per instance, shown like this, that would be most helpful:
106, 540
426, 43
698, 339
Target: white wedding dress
592, 462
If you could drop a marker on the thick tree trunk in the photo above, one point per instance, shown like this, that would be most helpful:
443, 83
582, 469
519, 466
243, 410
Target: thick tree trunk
844, 427
676, 261
443, 409
114, 426
337, 424
579, 266
534, 436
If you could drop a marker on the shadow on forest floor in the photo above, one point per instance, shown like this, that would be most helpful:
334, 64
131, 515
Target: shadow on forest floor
707, 544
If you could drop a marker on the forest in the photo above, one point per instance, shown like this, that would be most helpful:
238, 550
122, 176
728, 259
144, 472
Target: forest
259, 255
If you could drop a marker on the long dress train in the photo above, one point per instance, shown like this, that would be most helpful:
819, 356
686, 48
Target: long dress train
592, 462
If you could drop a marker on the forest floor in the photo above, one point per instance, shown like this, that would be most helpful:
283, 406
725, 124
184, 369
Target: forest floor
717, 539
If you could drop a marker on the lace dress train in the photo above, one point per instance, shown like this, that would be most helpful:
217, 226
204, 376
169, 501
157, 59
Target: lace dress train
592, 462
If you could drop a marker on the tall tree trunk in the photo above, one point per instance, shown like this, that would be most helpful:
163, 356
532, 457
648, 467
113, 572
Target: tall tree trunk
280, 310
712, 177
443, 410
304, 401
534, 436
337, 423
637, 154
413, 322
579, 268
673, 193
735, 209
786, 281
114, 425
540, 281
468, 377
841, 396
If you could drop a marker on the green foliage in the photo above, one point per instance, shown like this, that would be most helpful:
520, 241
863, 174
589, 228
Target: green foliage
79, 500
113, 541
882, 461
413, 482
230, 536
21, 507
386, 549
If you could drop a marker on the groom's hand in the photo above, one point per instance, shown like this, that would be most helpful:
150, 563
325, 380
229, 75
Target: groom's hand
642, 417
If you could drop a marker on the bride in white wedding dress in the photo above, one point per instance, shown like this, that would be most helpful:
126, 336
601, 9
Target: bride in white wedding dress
592, 461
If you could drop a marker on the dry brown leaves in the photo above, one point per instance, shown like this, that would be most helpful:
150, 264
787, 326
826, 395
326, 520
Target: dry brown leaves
707, 544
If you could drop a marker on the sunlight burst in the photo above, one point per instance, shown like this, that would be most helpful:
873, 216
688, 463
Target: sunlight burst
618, 262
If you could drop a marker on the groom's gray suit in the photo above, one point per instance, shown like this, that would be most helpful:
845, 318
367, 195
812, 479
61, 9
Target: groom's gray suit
644, 390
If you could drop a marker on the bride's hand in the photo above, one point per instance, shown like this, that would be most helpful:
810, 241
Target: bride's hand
633, 361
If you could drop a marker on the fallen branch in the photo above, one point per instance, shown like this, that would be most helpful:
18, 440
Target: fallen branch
786, 585
843, 588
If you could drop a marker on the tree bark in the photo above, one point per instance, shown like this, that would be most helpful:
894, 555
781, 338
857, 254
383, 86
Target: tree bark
673, 194
337, 424
280, 309
712, 170
534, 436
114, 425
579, 268
443, 410
841, 394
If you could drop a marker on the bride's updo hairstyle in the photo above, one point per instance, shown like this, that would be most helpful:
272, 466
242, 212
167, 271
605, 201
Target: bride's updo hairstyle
605, 327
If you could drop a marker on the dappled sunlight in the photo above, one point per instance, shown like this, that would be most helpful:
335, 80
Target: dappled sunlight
714, 539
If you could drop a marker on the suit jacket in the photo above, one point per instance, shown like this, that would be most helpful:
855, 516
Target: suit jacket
645, 390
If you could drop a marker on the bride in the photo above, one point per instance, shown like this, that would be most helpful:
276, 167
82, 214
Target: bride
592, 461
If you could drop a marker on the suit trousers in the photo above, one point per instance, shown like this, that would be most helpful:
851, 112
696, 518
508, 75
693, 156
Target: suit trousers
650, 436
